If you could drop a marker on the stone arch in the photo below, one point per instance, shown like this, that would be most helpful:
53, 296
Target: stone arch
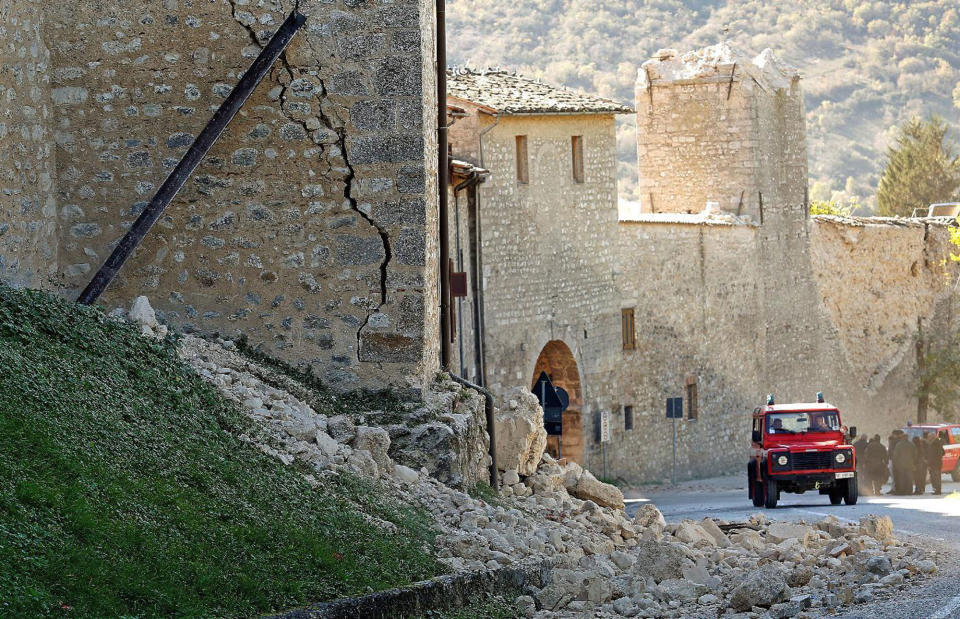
557, 360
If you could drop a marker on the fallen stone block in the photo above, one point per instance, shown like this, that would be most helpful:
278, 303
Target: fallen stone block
782, 531
879, 528
521, 437
589, 487
763, 587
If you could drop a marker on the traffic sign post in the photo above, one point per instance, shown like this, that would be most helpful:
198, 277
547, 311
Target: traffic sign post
674, 412
604, 438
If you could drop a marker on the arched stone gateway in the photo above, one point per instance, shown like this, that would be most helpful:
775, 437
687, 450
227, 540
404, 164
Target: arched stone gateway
557, 361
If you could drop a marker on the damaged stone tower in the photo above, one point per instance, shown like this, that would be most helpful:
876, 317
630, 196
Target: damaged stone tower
716, 126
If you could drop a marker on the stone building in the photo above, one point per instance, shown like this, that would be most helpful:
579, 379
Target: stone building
721, 291
547, 221
310, 226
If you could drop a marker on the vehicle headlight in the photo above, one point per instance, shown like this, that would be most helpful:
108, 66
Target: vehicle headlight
782, 461
840, 458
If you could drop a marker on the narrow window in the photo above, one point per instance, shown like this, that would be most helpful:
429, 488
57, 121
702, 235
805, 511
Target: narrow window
629, 333
523, 168
597, 422
628, 418
577, 144
693, 405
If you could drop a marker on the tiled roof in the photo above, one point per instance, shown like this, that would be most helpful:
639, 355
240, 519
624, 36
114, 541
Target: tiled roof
509, 93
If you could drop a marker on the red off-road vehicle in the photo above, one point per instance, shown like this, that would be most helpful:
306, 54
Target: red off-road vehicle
800, 447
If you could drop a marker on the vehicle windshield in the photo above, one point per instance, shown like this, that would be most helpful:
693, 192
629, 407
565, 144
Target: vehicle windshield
914, 432
921, 431
796, 423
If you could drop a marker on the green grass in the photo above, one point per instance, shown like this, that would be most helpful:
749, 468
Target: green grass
124, 490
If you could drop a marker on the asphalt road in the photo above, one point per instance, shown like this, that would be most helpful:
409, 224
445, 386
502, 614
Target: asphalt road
930, 521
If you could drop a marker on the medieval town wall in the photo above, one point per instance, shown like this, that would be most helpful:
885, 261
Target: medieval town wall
310, 225
707, 308
28, 219
693, 288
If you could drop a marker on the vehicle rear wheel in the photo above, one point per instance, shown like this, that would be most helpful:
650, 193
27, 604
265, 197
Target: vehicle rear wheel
850, 495
836, 495
757, 493
770, 493
955, 473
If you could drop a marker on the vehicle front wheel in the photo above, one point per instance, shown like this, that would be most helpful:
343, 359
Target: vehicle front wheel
770, 493
836, 495
850, 495
955, 473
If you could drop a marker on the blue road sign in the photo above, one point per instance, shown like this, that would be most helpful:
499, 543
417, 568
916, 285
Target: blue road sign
674, 408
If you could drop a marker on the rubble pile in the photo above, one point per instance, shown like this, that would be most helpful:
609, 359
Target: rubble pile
598, 559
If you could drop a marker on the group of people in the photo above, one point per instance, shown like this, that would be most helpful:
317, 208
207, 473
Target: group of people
909, 462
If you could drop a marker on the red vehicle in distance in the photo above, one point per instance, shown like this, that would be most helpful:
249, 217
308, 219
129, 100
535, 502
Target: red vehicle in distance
950, 437
800, 447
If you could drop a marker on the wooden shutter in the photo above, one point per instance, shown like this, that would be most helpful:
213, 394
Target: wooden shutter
693, 404
629, 330
523, 167
577, 146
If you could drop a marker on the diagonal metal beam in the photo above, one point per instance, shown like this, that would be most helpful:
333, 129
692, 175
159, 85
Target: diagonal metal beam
175, 181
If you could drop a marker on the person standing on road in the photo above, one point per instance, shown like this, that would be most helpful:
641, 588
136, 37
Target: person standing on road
904, 456
919, 466
935, 462
891, 473
859, 454
875, 464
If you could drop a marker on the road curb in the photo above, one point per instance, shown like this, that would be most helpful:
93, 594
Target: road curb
447, 592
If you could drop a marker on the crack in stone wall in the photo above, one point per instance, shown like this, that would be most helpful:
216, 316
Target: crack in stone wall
349, 174
266, 239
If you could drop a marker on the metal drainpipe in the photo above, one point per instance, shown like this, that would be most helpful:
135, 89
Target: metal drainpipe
443, 170
473, 179
478, 269
491, 426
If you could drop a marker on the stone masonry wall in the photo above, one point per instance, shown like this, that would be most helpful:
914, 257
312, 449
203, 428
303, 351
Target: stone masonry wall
694, 290
28, 221
878, 305
842, 321
309, 225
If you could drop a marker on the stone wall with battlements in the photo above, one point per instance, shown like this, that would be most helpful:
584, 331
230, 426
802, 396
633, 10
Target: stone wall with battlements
310, 225
28, 218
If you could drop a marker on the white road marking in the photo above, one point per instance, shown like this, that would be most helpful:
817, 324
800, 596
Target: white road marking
947, 610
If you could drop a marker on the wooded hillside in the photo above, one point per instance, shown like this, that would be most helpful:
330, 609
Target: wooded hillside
867, 66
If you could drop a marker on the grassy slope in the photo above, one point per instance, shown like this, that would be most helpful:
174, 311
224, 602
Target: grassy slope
123, 489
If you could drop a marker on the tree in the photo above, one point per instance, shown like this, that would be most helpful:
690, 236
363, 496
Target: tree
839, 208
938, 378
921, 168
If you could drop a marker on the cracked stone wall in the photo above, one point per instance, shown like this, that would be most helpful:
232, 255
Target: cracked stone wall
307, 225
28, 221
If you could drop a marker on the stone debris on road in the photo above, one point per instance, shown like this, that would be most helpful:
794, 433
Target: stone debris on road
598, 560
